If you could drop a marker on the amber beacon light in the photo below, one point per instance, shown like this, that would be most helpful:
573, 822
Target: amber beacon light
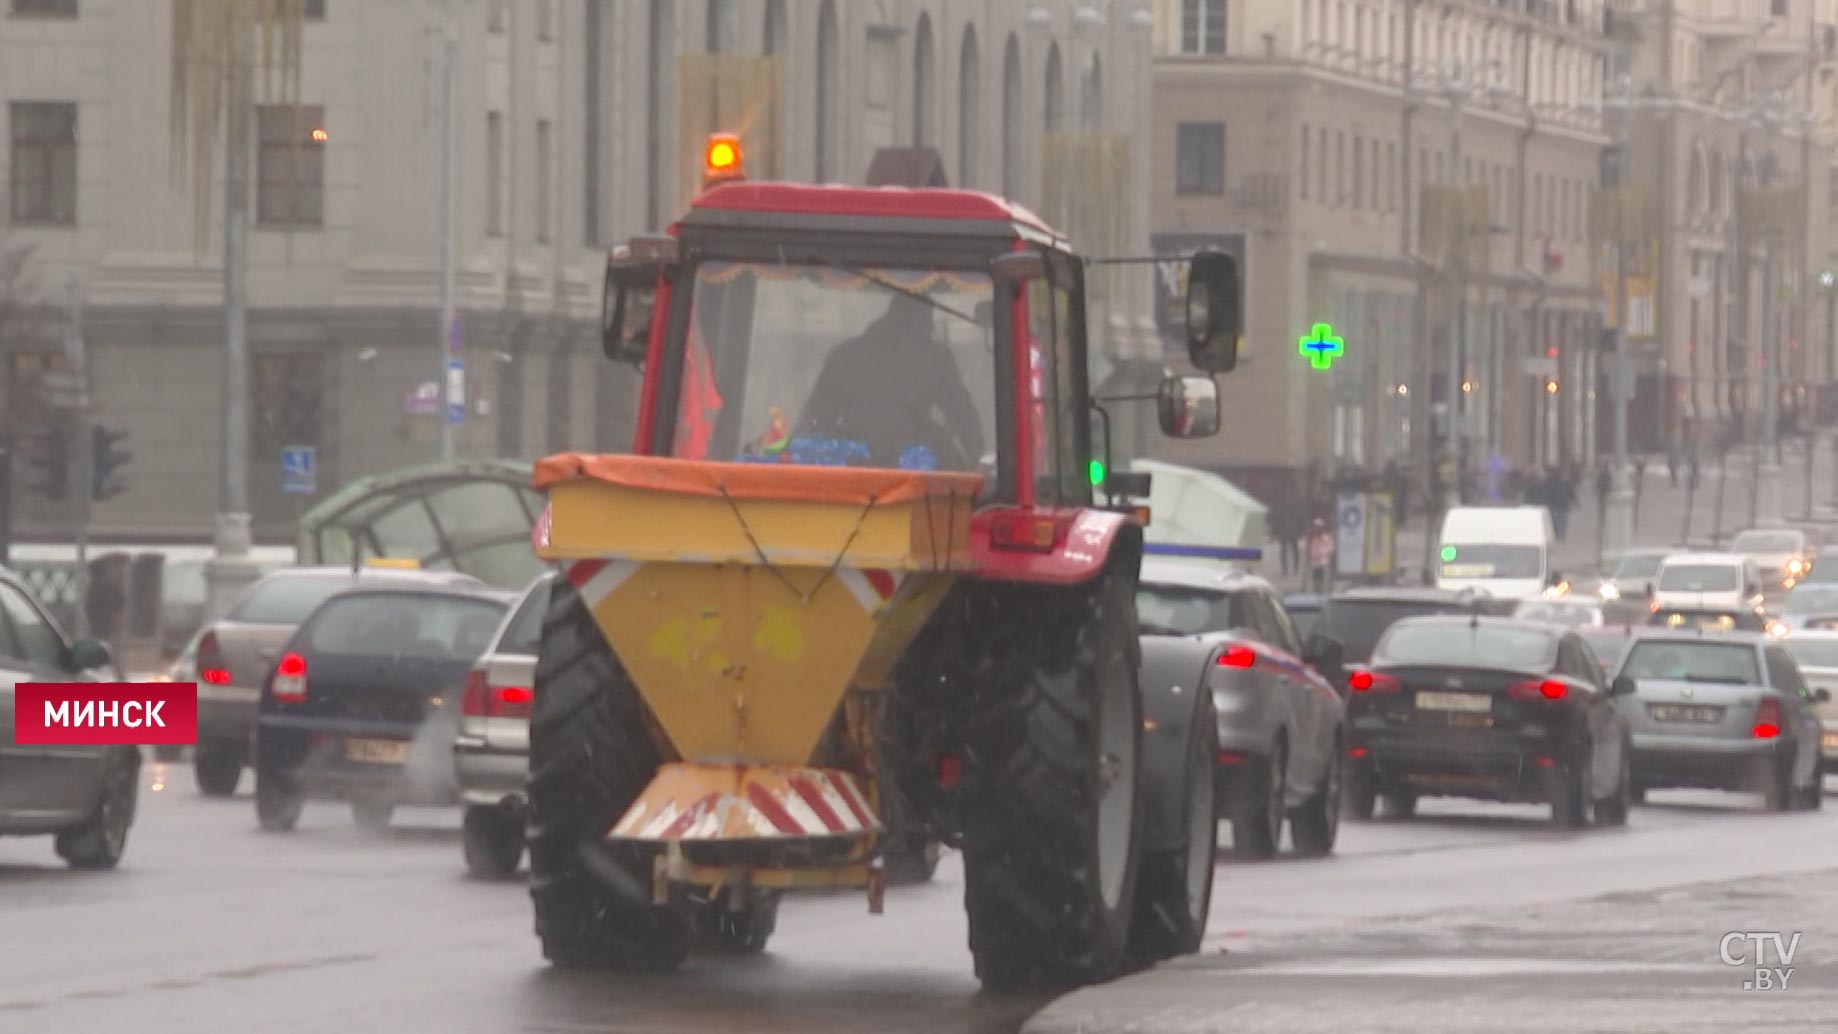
724, 160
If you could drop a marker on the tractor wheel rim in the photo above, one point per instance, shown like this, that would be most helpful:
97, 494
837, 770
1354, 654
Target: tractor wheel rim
1202, 832
1117, 783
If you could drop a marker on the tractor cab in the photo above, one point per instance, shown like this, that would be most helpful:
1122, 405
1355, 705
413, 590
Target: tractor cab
918, 329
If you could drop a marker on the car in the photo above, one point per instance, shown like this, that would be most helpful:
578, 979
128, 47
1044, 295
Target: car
1715, 619
1608, 643
1824, 567
1280, 721
237, 652
1491, 708
1780, 555
359, 707
1729, 711
491, 750
1569, 611
1810, 606
1631, 574
1357, 617
83, 797
1304, 609
1501, 550
1817, 655
1716, 581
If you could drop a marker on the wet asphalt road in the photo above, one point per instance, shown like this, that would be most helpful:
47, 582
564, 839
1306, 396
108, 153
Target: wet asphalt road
211, 925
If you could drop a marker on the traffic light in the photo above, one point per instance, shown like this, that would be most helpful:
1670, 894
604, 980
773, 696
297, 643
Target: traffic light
107, 462
50, 456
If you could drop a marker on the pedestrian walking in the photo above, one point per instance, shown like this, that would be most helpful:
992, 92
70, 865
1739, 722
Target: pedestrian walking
1283, 521
1560, 498
1320, 555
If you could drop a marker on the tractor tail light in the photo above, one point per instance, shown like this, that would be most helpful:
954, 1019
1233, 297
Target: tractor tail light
1023, 531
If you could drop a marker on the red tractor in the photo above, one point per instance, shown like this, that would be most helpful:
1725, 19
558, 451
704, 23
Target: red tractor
864, 585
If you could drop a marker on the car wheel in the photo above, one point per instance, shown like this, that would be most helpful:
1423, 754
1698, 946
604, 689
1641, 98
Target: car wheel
492, 839
1258, 807
1773, 776
372, 817
1401, 804
1811, 796
1613, 810
1316, 824
1637, 794
278, 802
218, 766
1568, 795
99, 841
1360, 799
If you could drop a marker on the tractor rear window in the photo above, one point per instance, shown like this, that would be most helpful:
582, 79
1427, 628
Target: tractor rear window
825, 365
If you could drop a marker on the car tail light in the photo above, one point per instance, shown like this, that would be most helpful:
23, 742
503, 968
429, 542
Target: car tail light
1238, 657
481, 699
1024, 531
1538, 689
290, 678
1368, 682
212, 668
1767, 719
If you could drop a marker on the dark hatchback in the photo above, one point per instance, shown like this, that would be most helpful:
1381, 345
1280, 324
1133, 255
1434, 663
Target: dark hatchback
1489, 708
1358, 618
361, 705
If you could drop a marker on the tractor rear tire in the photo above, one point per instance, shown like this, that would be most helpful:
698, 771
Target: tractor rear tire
1054, 740
591, 755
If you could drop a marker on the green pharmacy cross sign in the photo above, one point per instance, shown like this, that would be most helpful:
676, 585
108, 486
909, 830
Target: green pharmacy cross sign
1321, 347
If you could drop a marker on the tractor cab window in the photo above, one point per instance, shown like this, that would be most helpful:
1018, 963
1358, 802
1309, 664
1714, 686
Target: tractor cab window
1061, 470
826, 366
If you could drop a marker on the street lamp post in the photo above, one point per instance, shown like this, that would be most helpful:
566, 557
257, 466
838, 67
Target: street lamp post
1768, 476
1618, 513
1455, 405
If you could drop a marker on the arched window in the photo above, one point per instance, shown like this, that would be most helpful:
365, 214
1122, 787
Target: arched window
1695, 180
1011, 118
925, 86
659, 86
1055, 109
969, 108
775, 26
827, 87
1715, 164
1091, 95
723, 27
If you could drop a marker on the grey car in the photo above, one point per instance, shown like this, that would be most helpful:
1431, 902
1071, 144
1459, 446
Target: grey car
1817, 655
1280, 721
1723, 711
1782, 555
1810, 606
235, 654
83, 796
491, 751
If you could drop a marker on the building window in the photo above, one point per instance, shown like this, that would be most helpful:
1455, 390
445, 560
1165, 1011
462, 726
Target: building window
1011, 118
1202, 26
544, 163
44, 162
1339, 197
1302, 173
494, 174
1091, 95
1359, 172
723, 30
591, 114
924, 84
45, 8
969, 111
289, 391
497, 13
1055, 109
828, 87
545, 20
313, 10
290, 165
1321, 193
1199, 158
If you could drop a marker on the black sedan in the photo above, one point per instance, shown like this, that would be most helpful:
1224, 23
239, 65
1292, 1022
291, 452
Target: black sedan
360, 705
1489, 708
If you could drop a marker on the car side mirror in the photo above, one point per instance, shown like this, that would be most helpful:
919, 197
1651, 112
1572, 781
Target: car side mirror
1188, 407
1821, 695
1322, 651
1622, 686
1213, 319
632, 274
1651, 592
90, 655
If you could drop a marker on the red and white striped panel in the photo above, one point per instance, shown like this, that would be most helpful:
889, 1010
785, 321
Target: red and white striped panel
596, 579
766, 805
871, 587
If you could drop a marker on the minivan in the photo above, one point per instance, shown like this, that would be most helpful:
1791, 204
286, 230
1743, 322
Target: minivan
1503, 551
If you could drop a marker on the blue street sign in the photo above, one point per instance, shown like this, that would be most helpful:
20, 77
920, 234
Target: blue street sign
300, 469
456, 391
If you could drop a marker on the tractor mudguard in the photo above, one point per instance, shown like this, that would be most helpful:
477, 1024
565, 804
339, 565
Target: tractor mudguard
1173, 681
1046, 546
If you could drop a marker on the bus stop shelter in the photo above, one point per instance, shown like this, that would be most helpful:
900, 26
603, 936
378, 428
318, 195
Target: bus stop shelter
472, 516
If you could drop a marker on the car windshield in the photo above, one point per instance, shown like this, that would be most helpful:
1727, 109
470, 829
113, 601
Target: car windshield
1640, 565
1811, 599
1814, 653
1700, 578
420, 626
1178, 610
524, 635
286, 600
1447, 645
1491, 561
1358, 624
819, 365
1765, 542
1608, 646
1733, 663
1555, 612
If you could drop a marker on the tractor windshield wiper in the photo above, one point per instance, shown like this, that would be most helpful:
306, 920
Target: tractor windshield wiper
890, 286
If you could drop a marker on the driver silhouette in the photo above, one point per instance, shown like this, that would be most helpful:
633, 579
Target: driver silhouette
896, 386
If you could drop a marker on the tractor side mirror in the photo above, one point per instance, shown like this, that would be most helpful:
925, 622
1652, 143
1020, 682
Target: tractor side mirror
1213, 320
1189, 407
632, 275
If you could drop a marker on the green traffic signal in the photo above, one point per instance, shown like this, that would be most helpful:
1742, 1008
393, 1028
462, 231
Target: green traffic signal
1097, 473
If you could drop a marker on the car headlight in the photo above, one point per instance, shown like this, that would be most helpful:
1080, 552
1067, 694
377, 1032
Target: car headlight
1796, 566
1775, 628
1609, 592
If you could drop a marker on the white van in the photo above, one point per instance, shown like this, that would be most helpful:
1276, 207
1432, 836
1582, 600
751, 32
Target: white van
1707, 581
1503, 551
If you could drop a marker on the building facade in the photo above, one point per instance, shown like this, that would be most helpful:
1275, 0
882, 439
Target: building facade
579, 124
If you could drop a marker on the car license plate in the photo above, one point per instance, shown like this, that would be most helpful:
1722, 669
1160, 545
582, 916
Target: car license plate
388, 752
1472, 703
1685, 713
